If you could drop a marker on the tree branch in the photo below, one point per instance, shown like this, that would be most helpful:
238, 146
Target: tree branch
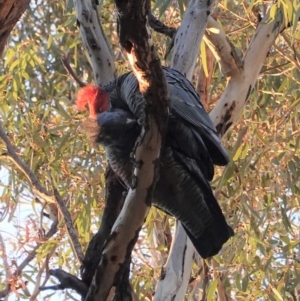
69, 223
8, 275
10, 13
176, 275
114, 201
146, 66
66, 281
160, 27
95, 41
204, 83
104, 72
189, 34
43, 193
222, 49
69, 69
242, 80
36, 185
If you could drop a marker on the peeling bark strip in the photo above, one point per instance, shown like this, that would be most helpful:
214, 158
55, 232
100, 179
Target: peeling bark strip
10, 13
132, 15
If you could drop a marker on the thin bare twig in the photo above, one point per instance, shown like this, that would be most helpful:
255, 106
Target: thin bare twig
205, 280
290, 59
69, 223
160, 27
221, 289
69, 69
45, 266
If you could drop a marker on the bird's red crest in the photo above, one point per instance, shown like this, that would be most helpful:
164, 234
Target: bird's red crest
86, 95
92, 97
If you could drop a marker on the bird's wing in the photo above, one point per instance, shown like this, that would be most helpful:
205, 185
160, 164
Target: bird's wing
183, 192
186, 103
185, 106
186, 140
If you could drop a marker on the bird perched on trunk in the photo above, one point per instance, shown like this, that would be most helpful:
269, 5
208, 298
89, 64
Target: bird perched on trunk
187, 161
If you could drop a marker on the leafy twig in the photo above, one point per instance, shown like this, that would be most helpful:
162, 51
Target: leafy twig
6, 267
36, 185
41, 191
29, 257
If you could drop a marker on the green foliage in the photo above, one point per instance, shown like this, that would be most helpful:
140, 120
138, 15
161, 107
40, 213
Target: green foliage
259, 190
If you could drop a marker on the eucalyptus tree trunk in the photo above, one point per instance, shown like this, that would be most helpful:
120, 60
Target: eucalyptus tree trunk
139, 47
94, 40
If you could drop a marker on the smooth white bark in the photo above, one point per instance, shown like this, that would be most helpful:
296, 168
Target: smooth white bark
176, 275
242, 80
189, 36
223, 51
95, 41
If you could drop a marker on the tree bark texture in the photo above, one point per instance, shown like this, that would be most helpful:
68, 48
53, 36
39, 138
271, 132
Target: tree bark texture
189, 36
95, 41
243, 75
114, 201
139, 47
10, 13
102, 63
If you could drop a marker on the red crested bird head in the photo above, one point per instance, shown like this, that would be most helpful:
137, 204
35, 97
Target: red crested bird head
93, 97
